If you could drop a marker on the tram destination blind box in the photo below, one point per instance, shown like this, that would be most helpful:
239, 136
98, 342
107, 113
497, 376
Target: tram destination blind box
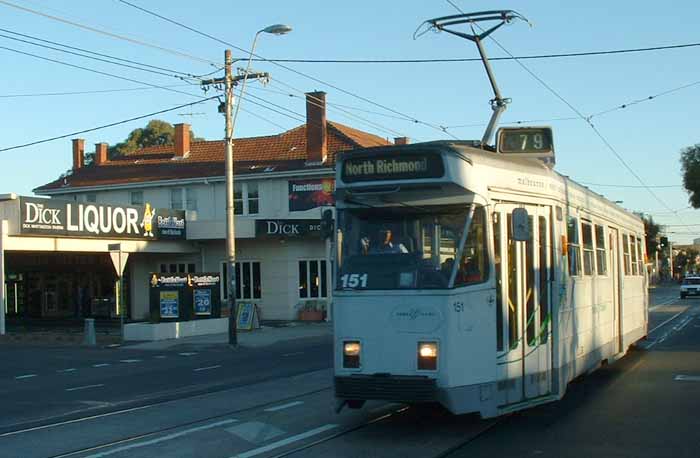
184, 297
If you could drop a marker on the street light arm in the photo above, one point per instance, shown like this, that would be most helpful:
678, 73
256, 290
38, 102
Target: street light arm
245, 79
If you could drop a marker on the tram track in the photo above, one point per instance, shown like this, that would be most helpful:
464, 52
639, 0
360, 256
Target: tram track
155, 433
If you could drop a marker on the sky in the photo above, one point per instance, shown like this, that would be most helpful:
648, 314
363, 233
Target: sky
648, 136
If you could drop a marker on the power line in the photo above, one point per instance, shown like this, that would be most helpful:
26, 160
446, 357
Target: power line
189, 75
98, 91
92, 129
477, 59
93, 58
110, 34
578, 113
261, 58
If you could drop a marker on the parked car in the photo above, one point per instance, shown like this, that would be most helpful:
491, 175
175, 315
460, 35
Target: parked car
690, 285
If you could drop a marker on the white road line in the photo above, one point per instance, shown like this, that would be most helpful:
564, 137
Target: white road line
683, 324
160, 357
162, 439
187, 353
687, 378
85, 387
667, 321
20, 377
101, 365
207, 368
297, 353
670, 301
283, 442
129, 360
70, 369
284, 406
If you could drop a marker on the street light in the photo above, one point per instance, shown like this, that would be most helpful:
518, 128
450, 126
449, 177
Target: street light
276, 29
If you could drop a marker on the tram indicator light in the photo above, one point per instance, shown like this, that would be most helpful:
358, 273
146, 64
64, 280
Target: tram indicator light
525, 141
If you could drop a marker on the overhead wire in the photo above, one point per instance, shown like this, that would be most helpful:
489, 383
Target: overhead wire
110, 34
94, 58
578, 113
97, 91
630, 186
290, 69
108, 56
104, 126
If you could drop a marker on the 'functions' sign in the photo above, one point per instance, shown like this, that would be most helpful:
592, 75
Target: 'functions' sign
404, 166
308, 194
287, 228
60, 218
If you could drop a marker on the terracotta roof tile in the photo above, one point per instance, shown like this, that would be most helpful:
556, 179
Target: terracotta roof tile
285, 151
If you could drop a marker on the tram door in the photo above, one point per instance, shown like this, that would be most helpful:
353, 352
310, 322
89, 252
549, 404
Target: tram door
524, 340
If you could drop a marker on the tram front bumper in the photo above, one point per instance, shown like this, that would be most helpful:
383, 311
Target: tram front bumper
402, 388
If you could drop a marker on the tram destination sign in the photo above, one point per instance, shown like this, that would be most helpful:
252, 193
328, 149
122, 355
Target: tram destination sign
61, 218
525, 141
404, 166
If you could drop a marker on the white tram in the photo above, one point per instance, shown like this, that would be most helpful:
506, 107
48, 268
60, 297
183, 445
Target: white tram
483, 281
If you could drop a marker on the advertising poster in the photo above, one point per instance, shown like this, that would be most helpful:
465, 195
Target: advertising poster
202, 301
245, 316
169, 304
309, 194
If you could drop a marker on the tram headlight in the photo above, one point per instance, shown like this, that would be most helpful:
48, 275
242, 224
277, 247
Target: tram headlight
427, 356
351, 354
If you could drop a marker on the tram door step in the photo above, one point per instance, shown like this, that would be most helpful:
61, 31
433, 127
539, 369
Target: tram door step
509, 408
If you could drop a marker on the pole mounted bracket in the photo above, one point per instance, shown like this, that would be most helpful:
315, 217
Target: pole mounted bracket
447, 24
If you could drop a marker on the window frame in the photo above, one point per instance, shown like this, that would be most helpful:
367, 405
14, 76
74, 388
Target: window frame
240, 274
132, 200
640, 256
319, 262
626, 254
177, 267
574, 247
187, 198
588, 250
242, 188
601, 253
633, 255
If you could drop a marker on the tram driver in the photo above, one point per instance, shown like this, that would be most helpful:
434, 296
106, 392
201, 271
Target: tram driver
383, 244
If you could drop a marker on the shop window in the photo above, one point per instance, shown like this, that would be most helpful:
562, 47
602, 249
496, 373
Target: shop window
588, 252
183, 199
178, 268
136, 198
312, 279
246, 198
248, 280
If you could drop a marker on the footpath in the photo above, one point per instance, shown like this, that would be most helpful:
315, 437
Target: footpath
262, 337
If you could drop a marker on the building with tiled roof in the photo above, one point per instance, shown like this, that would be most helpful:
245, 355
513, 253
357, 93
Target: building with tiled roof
281, 183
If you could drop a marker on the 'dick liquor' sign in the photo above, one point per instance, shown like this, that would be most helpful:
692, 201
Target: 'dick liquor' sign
60, 218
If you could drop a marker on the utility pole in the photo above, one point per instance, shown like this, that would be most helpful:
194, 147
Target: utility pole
670, 258
229, 81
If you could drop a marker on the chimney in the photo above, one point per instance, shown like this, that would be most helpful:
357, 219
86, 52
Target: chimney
78, 153
101, 153
182, 140
316, 128
401, 141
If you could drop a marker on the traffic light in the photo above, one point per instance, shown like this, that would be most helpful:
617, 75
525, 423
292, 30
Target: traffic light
663, 242
327, 225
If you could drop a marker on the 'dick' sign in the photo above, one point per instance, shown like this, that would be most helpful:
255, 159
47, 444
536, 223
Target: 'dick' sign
287, 228
53, 217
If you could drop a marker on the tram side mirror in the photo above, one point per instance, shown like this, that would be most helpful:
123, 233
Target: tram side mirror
327, 225
521, 225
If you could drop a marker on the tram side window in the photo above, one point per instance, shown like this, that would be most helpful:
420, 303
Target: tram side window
587, 230
641, 255
473, 267
626, 253
633, 250
601, 261
574, 249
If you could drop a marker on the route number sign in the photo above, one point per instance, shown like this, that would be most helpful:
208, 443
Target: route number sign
525, 141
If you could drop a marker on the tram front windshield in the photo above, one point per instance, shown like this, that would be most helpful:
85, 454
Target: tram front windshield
410, 247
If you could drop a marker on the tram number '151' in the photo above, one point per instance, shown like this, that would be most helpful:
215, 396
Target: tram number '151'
353, 280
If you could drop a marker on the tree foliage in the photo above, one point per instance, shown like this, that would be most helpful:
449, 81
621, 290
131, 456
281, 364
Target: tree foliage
651, 233
690, 166
155, 133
